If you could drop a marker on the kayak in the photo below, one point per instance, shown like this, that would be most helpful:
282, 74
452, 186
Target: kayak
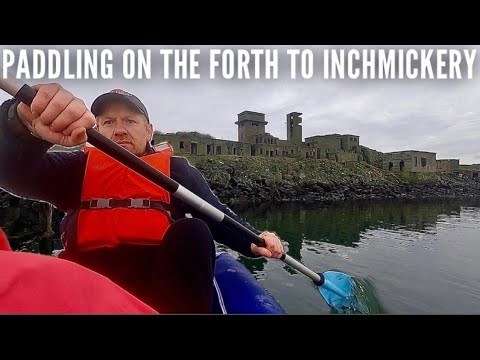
238, 292
42, 284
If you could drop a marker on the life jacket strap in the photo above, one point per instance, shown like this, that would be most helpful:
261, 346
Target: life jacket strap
130, 203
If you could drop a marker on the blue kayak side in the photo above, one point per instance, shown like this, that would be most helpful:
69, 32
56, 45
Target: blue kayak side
238, 292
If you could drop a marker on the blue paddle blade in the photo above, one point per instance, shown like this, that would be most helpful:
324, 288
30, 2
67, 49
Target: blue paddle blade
338, 292
348, 295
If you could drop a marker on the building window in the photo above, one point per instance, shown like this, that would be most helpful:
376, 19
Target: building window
416, 161
181, 145
424, 162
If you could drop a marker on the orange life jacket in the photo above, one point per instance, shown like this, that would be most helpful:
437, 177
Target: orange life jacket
120, 206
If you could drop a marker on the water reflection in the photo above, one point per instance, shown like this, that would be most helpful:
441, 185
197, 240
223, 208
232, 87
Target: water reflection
342, 224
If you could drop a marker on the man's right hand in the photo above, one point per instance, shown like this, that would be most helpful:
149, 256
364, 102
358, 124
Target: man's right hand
57, 116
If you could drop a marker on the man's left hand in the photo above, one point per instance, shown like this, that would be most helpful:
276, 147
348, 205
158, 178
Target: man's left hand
273, 246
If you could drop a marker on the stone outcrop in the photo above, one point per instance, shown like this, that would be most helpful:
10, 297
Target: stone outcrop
260, 180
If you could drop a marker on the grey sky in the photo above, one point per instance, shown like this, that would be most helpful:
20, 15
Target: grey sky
441, 116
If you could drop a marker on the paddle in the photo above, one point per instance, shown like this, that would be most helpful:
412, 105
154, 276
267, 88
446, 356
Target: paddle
335, 287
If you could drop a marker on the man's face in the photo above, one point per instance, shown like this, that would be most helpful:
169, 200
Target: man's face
126, 126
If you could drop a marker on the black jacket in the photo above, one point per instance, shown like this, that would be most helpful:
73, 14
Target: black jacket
27, 170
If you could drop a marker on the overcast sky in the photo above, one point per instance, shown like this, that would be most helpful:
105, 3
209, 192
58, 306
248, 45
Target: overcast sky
441, 116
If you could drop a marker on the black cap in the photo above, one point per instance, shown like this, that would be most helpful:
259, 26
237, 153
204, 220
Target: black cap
118, 95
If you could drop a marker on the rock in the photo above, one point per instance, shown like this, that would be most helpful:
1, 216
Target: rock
296, 179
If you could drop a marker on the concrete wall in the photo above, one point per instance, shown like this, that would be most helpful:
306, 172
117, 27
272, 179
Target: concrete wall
294, 129
196, 144
448, 165
250, 125
414, 161
350, 143
327, 143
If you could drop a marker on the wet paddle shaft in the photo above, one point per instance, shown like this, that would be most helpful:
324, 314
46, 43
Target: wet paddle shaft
26, 94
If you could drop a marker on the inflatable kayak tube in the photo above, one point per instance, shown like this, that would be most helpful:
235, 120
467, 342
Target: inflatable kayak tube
238, 292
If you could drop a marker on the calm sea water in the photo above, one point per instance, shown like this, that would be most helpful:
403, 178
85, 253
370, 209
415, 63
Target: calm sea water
411, 257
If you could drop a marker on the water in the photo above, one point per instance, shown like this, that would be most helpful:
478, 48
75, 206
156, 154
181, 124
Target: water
406, 257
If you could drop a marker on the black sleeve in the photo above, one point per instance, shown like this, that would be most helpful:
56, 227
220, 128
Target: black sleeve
192, 179
27, 170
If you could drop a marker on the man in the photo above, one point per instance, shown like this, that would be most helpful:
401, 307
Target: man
150, 245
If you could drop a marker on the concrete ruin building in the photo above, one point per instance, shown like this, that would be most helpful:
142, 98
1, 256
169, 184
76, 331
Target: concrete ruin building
410, 160
254, 140
470, 171
419, 161
449, 166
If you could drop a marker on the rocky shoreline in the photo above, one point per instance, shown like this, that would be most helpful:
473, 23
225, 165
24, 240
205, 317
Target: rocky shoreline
240, 182
263, 180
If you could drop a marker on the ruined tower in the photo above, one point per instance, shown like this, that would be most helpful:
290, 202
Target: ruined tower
294, 129
250, 125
